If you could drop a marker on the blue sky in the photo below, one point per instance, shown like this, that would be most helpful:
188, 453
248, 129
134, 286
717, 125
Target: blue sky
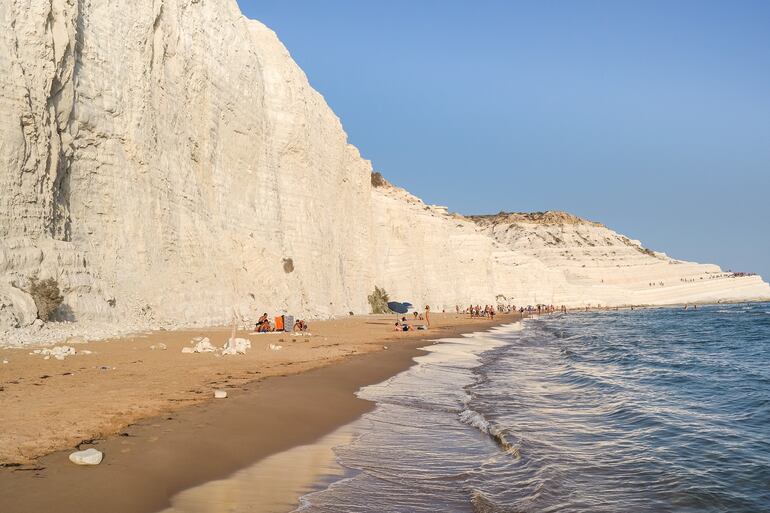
652, 117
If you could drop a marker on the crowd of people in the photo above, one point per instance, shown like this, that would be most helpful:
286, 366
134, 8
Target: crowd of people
477, 311
489, 311
718, 276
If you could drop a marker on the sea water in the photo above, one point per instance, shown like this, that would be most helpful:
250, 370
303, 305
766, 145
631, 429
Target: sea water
652, 410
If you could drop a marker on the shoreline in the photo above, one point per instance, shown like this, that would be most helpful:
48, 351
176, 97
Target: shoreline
153, 459
56, 333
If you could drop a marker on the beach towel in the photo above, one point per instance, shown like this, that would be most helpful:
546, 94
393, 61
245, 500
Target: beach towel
288, 322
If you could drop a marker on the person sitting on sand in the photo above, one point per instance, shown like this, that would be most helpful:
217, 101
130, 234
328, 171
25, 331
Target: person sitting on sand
300, 325
402, 327
263, 324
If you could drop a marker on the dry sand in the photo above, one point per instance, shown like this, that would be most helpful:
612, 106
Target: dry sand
135, 401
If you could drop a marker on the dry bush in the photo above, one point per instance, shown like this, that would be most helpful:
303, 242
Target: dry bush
378, 180
47, 297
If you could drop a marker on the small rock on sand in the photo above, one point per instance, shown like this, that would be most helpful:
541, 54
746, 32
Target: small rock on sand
220, 394
161, 346
274, 347
88, 457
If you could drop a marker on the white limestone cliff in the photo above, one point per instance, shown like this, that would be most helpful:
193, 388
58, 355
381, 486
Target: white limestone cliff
168, 163
596, 265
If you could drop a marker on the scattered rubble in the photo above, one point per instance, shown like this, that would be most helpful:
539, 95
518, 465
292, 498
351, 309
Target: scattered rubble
58, 352
232, 347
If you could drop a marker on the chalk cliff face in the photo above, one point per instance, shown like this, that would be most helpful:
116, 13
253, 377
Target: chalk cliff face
596, 265
168, 162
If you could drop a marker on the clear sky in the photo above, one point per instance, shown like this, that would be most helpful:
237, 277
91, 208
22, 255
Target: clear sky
652, 117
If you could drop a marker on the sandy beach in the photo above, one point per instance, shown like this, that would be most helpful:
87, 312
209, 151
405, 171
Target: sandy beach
151, 410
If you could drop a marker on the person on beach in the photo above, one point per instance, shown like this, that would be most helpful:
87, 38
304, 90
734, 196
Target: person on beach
427, 315
263, 324
402, 327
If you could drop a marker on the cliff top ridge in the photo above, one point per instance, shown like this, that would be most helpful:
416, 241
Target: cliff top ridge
549, 217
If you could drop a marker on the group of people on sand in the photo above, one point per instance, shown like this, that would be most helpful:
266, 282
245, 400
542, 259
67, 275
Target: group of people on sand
263, 325
477, 311
402, 325
489, 311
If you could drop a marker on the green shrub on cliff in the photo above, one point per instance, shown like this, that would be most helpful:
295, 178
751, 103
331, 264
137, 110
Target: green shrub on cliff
378, 300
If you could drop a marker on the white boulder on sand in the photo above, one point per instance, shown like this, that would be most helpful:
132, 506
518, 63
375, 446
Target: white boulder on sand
236, 346
232, 347
202, 345
220, 394
88, 457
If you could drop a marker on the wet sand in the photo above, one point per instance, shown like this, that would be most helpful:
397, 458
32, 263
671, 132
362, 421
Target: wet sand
148, 461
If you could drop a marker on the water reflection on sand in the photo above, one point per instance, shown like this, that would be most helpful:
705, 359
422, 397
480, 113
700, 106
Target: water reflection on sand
270, 485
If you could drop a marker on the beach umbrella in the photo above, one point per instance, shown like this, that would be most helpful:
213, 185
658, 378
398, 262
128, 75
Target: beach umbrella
398, 307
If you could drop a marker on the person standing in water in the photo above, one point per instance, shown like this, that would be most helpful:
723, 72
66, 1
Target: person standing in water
427, 315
